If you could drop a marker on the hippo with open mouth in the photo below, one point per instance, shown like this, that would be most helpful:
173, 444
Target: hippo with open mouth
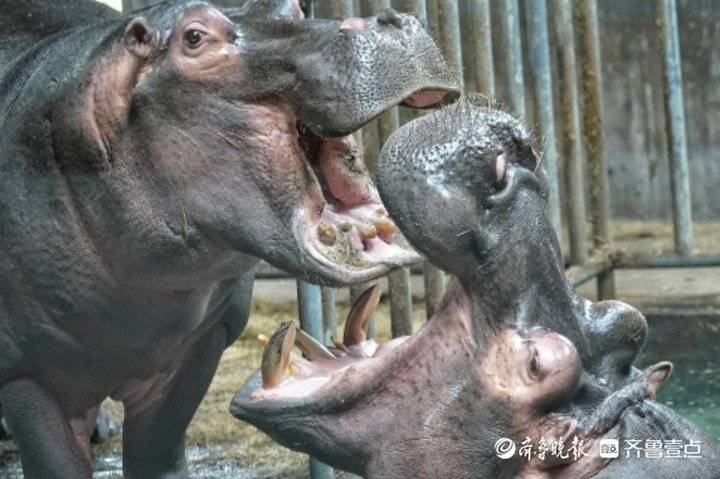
147, 163
512, 356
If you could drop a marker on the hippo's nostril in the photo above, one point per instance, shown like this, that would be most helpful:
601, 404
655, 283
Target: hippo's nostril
390, 17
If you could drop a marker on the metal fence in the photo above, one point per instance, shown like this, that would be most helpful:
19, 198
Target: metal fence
468, 32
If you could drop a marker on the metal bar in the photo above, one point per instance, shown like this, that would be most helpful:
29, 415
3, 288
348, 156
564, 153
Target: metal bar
592, 118
571, 145
337, 10
373, 7
333, 9
311, 306
539, 60
512, 40
398, 281
418, 9
447, 23
371, 147
434, 283
400, 302
583, 274
477, 47
310, 311
387, 123
451, 43
674, 262
309, 301
433, 19
675, 127
578, 275
329, 315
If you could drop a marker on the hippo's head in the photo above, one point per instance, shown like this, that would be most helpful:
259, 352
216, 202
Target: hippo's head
511, 353
233, 128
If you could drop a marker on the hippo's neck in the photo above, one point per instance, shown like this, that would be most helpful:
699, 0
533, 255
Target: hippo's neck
524, 289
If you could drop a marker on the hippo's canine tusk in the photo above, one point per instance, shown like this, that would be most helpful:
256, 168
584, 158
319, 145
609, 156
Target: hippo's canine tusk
310, 347
358, 320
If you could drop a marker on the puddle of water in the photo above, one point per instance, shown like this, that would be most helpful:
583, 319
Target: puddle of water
693, 389
209, 462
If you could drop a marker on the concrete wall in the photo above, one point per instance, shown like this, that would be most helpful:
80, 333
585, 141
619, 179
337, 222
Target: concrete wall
634, 123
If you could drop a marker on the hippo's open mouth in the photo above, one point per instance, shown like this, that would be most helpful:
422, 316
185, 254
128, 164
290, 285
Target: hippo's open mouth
342, 226
315, 374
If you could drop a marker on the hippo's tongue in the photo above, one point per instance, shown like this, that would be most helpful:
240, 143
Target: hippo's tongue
344, 175
348, 225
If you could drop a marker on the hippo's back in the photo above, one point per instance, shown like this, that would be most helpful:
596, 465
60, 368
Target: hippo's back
24, 23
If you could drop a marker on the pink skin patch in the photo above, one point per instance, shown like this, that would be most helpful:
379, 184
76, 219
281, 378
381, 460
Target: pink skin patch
311, 376
353, 23
352, 219
425, 98
346, 181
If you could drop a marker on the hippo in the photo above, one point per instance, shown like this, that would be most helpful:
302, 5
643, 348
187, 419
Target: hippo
148, 162
513, 358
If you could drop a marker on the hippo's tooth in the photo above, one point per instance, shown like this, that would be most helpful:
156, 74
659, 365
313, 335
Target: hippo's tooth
367, 232
263, 339
358, 320
384, 226
276, 357
326, 233
311, 347
339, 345
500, 167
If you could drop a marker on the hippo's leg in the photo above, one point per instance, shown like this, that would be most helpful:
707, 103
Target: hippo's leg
51, 444
154, 438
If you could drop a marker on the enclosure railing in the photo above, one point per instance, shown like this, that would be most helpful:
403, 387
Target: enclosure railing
466, 34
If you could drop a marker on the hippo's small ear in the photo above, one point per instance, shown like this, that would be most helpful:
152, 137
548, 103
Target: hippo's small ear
656, 375
257, 9
139, 39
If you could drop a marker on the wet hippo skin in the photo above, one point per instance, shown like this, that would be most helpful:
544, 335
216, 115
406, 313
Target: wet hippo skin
147, 163
512, 352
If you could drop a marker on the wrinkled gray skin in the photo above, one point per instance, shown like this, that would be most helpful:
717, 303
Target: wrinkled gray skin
147, 162
435, 405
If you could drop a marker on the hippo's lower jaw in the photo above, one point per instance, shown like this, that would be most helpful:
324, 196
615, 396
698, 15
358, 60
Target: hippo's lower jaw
323, 375
386, 410
383, 410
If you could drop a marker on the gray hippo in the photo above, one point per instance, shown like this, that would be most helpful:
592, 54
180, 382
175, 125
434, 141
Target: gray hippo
147, 163
513, 359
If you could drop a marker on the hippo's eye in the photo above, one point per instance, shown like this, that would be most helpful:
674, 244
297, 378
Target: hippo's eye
194, 37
